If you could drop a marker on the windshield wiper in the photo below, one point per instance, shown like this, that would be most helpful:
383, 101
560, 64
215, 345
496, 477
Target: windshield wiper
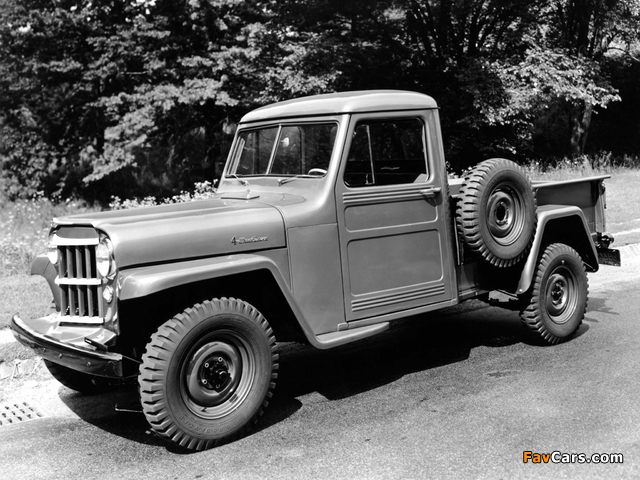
242, 181
282, 181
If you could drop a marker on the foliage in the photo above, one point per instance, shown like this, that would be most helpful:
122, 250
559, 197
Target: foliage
141, 98
202, 191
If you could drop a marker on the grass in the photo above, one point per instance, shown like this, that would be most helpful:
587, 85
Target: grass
623, 194
27, 295
623, 207
31, 298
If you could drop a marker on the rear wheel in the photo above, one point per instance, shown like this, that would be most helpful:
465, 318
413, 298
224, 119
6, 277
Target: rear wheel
208, 373
557, 300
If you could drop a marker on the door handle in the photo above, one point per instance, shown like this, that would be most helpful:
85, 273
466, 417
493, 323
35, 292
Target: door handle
430, 192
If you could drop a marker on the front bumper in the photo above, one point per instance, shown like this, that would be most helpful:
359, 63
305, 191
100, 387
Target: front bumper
31, 333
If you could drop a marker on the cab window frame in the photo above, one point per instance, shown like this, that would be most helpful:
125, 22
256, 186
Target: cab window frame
390, 171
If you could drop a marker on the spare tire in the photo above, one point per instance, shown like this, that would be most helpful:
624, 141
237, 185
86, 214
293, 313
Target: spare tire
496, 212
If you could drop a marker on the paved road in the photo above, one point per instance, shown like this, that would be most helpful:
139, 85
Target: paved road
460, 395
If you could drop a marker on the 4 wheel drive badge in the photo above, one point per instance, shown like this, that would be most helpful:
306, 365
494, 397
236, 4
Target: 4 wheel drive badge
243, 240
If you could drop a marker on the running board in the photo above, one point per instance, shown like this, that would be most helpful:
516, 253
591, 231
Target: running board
334, 339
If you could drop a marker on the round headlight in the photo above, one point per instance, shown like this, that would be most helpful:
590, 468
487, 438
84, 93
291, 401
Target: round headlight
52, 252
104, 258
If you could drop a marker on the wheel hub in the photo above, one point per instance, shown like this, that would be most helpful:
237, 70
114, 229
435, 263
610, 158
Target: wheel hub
502, 216
557, 293
502, 213
561, 299
215, 374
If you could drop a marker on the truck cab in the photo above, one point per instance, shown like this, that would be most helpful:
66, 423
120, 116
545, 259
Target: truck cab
363, 197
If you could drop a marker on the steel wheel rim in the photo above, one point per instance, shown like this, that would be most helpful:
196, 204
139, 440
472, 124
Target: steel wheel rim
219, 352
505, 215
561, 296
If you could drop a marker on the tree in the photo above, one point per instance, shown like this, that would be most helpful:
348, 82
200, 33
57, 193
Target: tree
459, 48
141, 96
45, 114
589, 30
194, 68
566, 65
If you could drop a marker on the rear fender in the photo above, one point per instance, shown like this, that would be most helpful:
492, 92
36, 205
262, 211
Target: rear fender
559, 223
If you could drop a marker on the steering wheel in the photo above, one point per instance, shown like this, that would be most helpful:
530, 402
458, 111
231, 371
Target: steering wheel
317, 171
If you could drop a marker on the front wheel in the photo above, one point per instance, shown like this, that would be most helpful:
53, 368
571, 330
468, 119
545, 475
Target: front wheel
557, 300
208, 373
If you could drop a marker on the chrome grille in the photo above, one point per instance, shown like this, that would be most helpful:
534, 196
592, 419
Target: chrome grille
79, 281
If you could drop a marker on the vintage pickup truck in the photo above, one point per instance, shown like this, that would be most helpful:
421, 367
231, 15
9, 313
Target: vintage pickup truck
334, 217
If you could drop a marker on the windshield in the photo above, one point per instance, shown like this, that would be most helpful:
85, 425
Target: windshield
284, 150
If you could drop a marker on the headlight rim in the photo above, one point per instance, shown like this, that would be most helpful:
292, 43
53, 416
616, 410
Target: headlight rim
52, 251
110, 271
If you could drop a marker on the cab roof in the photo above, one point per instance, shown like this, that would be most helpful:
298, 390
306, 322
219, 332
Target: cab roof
343, 102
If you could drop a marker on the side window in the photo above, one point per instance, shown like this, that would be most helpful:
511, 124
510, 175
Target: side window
387, 152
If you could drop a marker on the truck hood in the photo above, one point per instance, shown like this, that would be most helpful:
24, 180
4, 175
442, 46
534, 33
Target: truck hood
222, 225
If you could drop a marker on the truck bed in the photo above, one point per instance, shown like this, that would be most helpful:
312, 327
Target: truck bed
586, 193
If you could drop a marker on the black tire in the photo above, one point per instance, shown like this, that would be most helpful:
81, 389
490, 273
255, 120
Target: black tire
208, 373
557, 300
496, 213
78, 381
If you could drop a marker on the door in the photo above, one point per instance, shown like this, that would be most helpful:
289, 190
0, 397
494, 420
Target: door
391, 219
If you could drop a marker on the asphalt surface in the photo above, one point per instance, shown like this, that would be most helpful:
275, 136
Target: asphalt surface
459, 394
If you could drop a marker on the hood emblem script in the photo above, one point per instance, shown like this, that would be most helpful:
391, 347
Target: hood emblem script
243, 240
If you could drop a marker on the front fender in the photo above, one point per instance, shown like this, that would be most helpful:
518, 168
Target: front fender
559, 223
43, 267
143, 281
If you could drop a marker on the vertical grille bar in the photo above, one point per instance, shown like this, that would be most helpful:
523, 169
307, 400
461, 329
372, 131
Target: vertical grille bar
100, 304
89, 264
73, 306
79, 263
64, 303
70, 269
91, 303
62, 263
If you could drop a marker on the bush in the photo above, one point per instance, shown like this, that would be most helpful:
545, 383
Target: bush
202, 191
580, 166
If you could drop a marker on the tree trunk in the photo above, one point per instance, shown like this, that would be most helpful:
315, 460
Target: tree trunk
580, 121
